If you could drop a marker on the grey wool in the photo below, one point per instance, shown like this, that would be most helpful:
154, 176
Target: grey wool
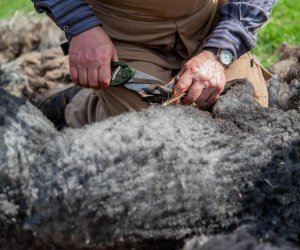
150, 180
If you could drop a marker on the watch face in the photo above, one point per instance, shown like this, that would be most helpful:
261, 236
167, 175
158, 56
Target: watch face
226, 57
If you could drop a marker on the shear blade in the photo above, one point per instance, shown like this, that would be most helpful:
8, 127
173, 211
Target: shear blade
141, 77
142, 89
149, 89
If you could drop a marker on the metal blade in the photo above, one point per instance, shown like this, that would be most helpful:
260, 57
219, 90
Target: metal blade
150, 89
141, 77
142, 88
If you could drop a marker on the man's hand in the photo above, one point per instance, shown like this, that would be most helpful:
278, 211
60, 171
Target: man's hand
90, 56
203, 80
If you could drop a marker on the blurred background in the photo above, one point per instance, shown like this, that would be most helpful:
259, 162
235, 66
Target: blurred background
283, 26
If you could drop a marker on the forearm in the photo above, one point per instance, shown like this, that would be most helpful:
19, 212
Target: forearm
238, 25
72, 16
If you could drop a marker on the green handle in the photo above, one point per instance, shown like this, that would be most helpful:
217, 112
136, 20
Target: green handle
121, 73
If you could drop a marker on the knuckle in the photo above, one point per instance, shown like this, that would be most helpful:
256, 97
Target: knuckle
201, 76
105, 54
104, 84
204, 77
194, 69
212, 84
219, 88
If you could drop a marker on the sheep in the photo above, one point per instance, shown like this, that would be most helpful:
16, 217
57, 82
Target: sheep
149, 180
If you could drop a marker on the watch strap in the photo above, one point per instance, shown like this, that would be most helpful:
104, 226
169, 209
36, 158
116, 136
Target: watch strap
212, 50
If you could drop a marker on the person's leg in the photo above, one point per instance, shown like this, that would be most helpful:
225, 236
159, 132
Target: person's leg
248, 67
90, 106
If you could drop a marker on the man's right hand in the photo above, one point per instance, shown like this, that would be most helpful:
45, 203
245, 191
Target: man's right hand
90, 56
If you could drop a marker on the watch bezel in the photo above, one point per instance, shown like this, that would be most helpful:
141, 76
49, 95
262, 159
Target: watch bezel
219, 54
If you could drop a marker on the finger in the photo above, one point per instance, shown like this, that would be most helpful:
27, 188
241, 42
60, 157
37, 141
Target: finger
83, 77
206, 93
104, 74
183, 84
193, 93
93, 78
173, 81
115, 56
74, 75
213, 98
205, 73
215, 82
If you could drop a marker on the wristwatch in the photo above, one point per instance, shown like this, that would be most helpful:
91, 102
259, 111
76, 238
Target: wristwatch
224, 56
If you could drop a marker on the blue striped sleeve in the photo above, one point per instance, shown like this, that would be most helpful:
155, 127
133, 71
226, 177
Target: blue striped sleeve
238, 25
72, 16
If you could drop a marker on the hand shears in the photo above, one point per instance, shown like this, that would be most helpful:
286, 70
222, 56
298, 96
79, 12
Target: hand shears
149, 88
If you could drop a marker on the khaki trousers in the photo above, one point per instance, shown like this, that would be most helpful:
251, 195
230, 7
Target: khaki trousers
156, 40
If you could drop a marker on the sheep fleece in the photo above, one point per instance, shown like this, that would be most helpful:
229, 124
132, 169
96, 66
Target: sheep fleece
157, 176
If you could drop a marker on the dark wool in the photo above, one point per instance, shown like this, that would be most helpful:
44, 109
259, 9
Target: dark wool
150, 180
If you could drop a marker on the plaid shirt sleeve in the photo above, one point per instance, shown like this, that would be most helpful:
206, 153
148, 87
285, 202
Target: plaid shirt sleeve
72, 16
238, 25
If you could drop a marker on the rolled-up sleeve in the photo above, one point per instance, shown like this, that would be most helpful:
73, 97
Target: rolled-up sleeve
238, 25
72, 16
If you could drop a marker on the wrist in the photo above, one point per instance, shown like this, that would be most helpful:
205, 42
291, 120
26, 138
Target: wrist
86, 32
212, 56
224, 56
211, 50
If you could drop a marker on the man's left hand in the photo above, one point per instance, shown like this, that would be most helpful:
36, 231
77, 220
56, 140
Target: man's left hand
202, 78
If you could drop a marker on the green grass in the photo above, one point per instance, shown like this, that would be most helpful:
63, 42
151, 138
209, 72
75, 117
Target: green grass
9, 7
283, 26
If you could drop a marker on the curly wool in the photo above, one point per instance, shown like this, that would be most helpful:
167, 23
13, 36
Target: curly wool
151, 179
